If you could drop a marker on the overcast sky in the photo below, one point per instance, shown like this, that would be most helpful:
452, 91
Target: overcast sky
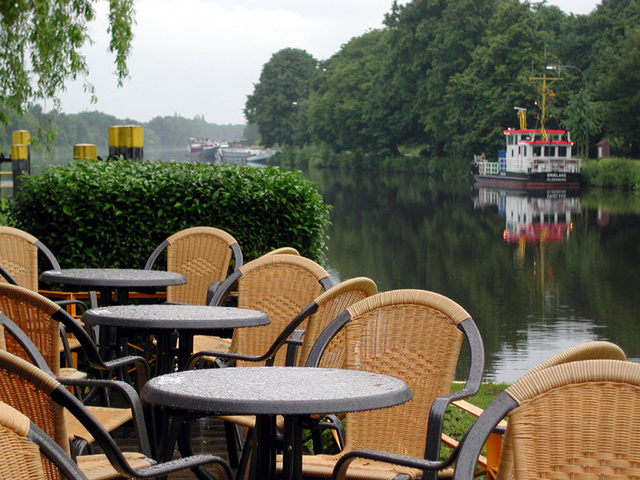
202, 57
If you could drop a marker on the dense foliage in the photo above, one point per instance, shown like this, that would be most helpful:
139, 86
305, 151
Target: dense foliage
619, 173
446, 75
277, 105
114, 213
40, 44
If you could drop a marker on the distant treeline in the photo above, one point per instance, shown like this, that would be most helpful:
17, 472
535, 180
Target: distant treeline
445, 76
93, 127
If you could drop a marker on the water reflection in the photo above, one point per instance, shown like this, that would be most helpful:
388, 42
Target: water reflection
537, 273
532, 217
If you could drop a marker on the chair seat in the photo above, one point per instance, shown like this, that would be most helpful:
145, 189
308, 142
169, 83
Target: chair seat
109, 418
97, 467
72, 373
321, 466
73, 342
206, 342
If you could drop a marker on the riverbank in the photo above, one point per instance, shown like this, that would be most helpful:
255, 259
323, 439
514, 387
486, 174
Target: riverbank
615, 172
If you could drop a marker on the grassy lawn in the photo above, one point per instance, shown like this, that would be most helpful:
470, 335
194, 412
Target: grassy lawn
457, 422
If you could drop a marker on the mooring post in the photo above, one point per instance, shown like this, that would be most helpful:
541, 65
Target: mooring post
20, 155
85, 151
126, 141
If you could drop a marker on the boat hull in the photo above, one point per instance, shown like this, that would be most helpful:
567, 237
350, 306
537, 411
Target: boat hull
531, 181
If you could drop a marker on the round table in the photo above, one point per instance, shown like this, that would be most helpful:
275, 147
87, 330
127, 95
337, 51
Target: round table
172, 322
270, 391
117, 281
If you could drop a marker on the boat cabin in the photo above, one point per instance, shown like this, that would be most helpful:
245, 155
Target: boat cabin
527, 152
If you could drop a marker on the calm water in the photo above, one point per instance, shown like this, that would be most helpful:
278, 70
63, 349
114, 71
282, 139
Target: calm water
538, 275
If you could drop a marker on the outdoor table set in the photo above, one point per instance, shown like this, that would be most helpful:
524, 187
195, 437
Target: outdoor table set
294, 392
265, 392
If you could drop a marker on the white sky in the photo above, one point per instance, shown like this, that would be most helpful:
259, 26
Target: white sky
202, 57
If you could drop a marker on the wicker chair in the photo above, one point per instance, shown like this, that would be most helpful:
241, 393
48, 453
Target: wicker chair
19, 256
281, 285
499, 454
574, 420
37, 394
414, 335
36, 318
587, 351
29, 453
203, 255
551, 370
19, 266
317, 315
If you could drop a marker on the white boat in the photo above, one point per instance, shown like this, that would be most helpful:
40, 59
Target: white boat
532, 158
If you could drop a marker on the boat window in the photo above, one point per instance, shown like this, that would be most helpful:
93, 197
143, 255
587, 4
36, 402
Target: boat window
562, 151
549, 151
510, 139
524, 150
537, 151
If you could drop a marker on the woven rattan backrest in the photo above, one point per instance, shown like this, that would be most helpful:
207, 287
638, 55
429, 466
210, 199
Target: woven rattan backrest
577, 420
19, 256
283, 251
585, 351
21, 457
27, 389
329, 305
32, 313
411, 335
281, 286
203, 256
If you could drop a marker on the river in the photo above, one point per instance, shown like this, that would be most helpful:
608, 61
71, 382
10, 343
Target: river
537, 274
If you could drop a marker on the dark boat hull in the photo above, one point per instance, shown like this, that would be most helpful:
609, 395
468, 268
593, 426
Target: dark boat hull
531, 181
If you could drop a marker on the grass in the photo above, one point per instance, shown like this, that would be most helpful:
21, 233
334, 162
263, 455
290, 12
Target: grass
458, 422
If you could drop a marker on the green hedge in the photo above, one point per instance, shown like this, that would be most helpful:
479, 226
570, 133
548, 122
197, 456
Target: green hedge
612, 173
114, 213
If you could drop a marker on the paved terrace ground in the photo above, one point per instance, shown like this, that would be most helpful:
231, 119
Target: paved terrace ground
208, 435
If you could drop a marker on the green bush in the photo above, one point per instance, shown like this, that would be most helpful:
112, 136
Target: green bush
114, 213
611, 172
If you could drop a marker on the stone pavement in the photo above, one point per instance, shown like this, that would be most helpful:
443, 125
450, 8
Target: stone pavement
208, 437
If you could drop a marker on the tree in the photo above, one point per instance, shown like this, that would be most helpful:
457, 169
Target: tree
340, 101
278, 103
620, 93
40, 44
481, 100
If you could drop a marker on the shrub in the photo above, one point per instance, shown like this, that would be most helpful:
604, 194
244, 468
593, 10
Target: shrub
611, 172
114, 213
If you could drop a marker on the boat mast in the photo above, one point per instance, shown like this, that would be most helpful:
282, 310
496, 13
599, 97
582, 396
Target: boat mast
542, 84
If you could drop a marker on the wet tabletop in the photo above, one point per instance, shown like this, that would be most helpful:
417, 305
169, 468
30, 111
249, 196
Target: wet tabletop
113, 277
174, 317
275, 390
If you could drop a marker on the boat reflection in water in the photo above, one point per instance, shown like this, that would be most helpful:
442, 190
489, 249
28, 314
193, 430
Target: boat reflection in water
532, 218
535, 224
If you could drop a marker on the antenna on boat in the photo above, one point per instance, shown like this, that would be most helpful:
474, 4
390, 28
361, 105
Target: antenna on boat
522, 116
543, 83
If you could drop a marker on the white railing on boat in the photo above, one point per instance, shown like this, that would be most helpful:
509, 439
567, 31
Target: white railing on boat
486, 167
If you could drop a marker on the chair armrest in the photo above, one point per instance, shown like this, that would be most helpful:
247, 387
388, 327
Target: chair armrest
163, 469
193, 359
293, 344
131, 397
141, 366
340, 470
